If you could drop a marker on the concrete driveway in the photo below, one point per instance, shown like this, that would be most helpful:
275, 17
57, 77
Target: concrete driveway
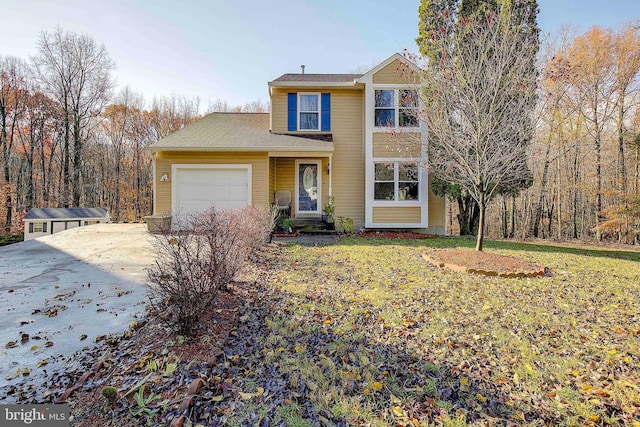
64, 292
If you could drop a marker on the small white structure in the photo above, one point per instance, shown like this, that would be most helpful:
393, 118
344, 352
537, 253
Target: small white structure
44, 221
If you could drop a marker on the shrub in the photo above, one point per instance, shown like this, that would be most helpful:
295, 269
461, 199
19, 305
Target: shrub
346, 225
199, 257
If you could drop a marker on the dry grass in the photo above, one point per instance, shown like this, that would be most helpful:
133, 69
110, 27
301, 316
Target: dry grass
366, 333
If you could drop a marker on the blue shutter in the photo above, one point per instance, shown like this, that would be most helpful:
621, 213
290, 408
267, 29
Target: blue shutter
30, 227
326, 112
292, 121
44, 227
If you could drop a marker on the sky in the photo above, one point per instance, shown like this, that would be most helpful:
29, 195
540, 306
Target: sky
231, 49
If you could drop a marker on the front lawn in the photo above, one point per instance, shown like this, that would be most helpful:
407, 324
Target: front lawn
366, 333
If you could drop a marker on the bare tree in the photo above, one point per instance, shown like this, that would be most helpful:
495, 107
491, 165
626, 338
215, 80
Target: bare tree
76, 72
12, 90
479, 98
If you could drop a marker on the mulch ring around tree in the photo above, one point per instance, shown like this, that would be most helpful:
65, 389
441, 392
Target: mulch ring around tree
484, 263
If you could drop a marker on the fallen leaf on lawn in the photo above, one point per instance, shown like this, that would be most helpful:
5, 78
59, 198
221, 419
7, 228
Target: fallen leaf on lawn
217, 398
34, 347
11, 344
397, 411
481, 398
42, 363
246, 396
376, 386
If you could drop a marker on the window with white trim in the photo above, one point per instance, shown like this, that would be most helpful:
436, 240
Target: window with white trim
309, 111
37, 227
396, 181
396, 106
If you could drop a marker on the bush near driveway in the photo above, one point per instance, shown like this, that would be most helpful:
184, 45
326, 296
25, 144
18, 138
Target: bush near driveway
8, 239
199, 257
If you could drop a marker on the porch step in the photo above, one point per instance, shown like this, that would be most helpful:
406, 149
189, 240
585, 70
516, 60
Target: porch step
306, 231
311, 226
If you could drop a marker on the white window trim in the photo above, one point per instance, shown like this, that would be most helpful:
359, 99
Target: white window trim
396, 106
318, 211
396, 184
318, 95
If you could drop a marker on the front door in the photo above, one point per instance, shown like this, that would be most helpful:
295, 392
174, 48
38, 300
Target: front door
308, 187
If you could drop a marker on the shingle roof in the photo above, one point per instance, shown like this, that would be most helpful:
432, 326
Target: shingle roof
65, 213
317, 78
236, 132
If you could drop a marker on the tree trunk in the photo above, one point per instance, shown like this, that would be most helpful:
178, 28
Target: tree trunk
622, 170
66, 189
505, 220
468, 213
77, 162
543, 191
5, 166
512, 232
481, 215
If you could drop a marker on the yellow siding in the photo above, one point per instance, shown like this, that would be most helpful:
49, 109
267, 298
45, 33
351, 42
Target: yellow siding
259, 168
386, 144
347, 128
285, 177
395, 73
279, 108
397, 214
347, 123
436, 209
272, 178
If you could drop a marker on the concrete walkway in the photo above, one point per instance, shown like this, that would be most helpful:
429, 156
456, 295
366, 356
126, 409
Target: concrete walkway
63, 292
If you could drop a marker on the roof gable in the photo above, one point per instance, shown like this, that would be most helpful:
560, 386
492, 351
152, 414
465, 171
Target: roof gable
395, 57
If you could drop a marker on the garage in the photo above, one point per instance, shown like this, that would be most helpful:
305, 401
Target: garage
200, 187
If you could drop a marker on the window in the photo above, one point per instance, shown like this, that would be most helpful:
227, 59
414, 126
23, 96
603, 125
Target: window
396, 181
309, 114
408, 111
37, 227
385, 108
396, 106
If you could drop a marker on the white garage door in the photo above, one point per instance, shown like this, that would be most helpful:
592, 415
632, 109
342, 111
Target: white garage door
199, 187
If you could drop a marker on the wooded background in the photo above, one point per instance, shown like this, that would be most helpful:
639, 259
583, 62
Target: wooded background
69, 139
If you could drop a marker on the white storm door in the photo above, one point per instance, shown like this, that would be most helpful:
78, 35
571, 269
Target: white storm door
308, 187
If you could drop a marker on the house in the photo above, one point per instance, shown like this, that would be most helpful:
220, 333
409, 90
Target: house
327, 135
44, 221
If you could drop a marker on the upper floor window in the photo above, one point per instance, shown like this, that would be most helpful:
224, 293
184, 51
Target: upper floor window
396, 107
309, 113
